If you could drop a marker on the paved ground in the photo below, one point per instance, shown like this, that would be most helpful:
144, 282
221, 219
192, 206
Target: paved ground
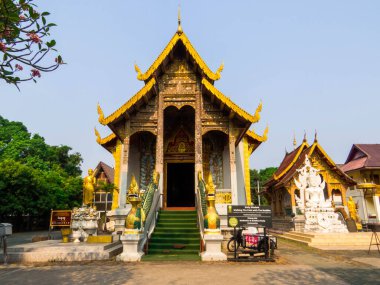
295, 264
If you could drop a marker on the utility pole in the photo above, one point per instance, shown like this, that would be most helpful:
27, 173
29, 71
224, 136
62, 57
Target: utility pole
258, 191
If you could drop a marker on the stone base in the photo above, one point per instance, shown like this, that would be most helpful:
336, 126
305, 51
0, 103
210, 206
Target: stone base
118, 216
130, 248
213, 248
57, 251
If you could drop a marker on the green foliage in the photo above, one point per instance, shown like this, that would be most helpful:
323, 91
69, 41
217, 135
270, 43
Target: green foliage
34, 176
261, 176
25, 47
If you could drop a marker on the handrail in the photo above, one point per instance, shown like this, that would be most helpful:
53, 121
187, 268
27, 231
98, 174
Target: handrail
151, 214
201, 207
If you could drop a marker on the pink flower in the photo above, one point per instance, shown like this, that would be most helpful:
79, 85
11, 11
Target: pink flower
3, 48
21, 17
34, 37
35, 73
19, 67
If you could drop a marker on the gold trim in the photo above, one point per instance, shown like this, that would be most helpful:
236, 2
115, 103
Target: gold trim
116, 179
179, 36
304, 144
252, 135
316, 145
105, 140
227, 101
246, 172
126, 106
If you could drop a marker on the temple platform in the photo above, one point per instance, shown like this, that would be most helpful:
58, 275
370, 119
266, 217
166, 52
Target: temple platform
57, 251
330, 241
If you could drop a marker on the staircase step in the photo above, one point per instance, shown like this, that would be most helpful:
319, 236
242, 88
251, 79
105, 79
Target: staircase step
175, 235
170, 238
177, 225
176, 230
171, 257
174, 220
173, 251
160, 245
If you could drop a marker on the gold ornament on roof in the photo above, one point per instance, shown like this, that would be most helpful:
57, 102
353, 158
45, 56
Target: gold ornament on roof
98, 138
101, 114
124, 108
179, 29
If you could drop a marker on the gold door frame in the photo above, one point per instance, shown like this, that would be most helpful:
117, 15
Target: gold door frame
166, 176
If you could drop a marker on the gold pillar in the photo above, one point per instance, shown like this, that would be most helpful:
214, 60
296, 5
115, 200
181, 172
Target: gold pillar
160, 143
198, 138
247, 175
124, 167
116, 155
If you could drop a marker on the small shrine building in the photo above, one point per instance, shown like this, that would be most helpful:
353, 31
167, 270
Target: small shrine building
281, 188
363, 165
179, 124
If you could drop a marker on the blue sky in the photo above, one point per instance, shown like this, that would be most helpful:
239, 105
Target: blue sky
314, 64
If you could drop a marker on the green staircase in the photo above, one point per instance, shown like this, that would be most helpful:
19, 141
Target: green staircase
176, 237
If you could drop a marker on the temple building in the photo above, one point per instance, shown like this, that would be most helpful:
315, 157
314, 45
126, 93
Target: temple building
104, 174
281, 189
363, 165
179, 124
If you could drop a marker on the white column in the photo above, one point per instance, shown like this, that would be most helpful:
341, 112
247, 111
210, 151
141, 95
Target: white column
376, 203
131, 251
232, 140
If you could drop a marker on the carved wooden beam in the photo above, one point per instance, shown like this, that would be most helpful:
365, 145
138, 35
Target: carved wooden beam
145, 98
231, 115
221, 107
212, 99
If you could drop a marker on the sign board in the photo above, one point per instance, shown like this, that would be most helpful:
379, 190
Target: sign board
249, 216
60, 218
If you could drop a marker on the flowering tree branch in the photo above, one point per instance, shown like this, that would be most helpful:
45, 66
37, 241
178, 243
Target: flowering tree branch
26, 49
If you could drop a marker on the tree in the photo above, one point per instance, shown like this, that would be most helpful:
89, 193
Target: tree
261, 176
34, 176
26, 49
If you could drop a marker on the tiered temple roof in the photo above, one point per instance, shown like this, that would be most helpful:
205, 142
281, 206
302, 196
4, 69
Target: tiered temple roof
150, 89
294, 160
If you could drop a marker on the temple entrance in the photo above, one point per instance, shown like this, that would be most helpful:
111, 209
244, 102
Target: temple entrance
180, 185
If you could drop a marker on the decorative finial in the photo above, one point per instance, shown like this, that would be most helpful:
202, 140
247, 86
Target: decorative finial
315, 136
265, 134
98, 138
286, 151
294, 141
179, 29
219, 70
304, 136
101, 114
257, 112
